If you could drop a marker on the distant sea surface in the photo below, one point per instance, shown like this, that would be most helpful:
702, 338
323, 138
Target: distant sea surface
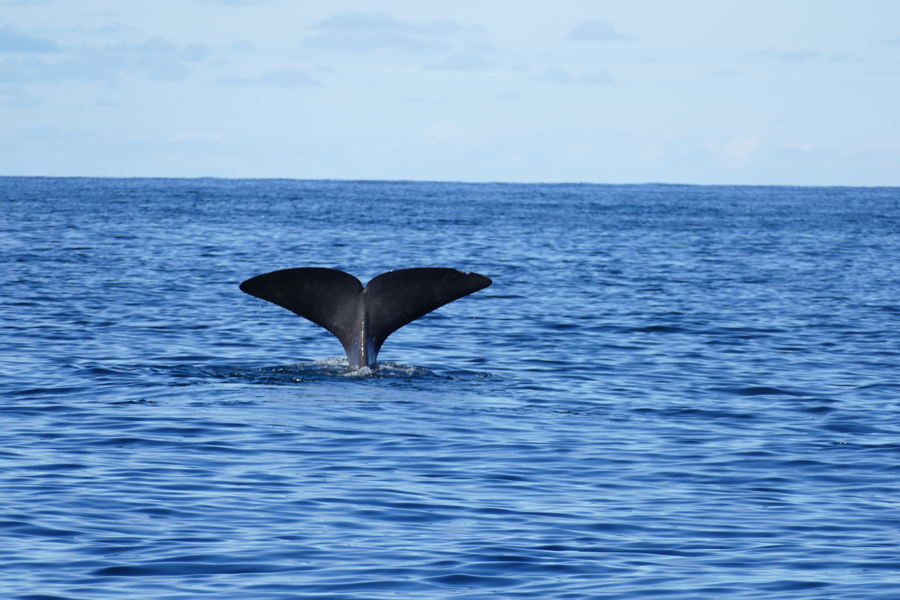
668, 392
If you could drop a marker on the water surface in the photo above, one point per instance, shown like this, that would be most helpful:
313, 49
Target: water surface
668, 391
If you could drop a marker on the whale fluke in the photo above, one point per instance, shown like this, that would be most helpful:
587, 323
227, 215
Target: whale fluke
362, 318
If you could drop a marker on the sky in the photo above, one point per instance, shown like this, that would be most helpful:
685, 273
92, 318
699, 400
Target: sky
798, 92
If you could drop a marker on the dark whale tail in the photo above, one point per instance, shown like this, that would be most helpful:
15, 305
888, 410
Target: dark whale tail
363, 318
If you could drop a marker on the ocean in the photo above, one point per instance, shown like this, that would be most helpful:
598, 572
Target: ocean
668, 391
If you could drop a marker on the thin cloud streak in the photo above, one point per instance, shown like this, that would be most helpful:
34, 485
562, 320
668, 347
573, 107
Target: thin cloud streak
557, 75
366, 32
289, 77
596, 31
466, 61
806, 55
157, 59
13, 41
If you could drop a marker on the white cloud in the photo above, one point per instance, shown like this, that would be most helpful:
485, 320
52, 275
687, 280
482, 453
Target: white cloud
195, 136
446, 132
596, 31
105, 100
156, 59
288, 77
242, 46
800, 56
735, 150
804, 146
597, 78
26, 2
461, 62
160, 47
365, 32
15, 96
806, 55
236, 2
483, 47
113, 29
13, 41
653, 150
740, 148
876, 151
555, 74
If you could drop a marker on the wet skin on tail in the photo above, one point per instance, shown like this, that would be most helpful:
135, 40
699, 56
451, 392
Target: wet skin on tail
363, 317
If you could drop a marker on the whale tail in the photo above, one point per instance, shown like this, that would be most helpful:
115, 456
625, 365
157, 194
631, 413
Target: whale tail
362, 318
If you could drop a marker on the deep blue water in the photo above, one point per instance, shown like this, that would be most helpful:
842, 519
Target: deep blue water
668, 391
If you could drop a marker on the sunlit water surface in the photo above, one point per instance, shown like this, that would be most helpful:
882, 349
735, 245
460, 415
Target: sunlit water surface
668, 391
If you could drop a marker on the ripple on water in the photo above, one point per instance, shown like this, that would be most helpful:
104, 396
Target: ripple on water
673, 391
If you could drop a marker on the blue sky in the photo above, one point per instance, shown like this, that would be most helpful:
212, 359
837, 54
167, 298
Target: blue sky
708, 92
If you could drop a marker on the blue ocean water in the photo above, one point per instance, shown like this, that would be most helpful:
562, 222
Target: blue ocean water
668, 391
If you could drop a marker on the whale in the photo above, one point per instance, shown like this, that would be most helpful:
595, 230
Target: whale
361, 317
